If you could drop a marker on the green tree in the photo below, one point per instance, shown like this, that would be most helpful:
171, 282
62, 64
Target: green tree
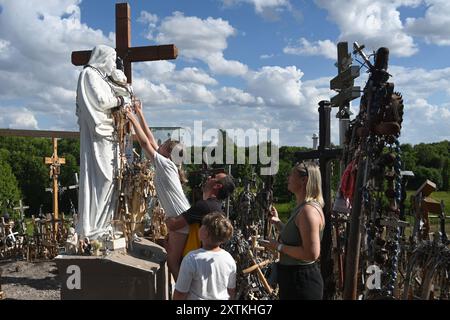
27, 162
280, 191
424, 173
72, 147
409, 158
445, 176
9, 188
428, 155
26, 159
288, 153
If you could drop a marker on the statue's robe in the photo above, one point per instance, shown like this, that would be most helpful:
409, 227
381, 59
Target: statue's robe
98, 150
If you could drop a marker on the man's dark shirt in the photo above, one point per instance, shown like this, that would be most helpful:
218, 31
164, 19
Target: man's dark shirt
201, 208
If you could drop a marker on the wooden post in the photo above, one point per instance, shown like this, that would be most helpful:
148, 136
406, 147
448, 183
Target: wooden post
261, 276
354, 237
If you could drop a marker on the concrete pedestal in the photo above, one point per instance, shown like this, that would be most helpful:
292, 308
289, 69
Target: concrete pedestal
139, 274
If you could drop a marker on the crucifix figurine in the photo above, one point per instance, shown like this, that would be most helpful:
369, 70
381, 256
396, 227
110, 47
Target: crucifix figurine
123, 45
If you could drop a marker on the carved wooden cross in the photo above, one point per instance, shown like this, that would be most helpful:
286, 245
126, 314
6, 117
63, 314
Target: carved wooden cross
55, 163
123, 45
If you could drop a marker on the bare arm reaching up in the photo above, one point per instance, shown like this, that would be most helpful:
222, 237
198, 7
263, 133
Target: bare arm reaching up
144, 125
141, 136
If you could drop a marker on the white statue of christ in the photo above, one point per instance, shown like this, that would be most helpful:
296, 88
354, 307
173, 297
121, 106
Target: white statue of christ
96, 96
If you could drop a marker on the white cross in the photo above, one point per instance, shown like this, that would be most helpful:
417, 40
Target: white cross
21, 208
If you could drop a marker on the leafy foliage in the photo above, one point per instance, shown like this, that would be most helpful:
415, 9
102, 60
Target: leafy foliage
9, 188
23, 174
427, 161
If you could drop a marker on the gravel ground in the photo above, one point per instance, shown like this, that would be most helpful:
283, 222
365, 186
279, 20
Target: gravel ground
22, 280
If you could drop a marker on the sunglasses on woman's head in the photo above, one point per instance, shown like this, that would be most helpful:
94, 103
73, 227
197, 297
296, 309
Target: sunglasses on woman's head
302, 169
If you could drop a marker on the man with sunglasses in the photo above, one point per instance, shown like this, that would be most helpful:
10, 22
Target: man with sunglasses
216, 189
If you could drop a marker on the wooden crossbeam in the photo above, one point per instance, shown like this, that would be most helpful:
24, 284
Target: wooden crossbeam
124, 50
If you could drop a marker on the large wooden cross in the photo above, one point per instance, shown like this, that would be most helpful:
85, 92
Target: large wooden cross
55, 163
123, 45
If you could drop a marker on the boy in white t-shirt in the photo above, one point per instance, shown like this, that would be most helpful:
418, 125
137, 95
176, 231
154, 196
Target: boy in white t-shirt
208, 273
168, 182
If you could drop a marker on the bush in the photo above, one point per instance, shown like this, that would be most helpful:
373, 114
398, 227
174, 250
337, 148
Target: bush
422, 174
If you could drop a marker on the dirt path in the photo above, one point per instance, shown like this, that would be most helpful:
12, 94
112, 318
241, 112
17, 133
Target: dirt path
23, 280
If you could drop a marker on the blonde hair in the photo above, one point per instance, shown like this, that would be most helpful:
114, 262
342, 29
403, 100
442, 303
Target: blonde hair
314, 183
219, 227
178, 147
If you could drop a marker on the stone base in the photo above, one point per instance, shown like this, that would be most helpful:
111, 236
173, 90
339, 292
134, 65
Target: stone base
139, 274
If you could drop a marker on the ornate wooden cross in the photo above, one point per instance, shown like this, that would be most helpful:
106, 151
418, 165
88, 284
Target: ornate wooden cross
55, 163
123, 45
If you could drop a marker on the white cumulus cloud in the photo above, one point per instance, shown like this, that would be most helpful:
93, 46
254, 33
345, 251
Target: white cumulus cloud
36, 41
201, 39
235, 96
278, 86
374, 23
269, 9
434, 27
18, 118
325, 48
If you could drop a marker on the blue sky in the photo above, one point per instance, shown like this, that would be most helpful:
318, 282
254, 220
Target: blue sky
242, 63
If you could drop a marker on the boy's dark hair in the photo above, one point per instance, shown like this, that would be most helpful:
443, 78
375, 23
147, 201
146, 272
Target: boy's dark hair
218, 226
227, 187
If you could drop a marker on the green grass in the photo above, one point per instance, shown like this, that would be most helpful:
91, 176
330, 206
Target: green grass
434, 221
284, 210
437, 195
434, 225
